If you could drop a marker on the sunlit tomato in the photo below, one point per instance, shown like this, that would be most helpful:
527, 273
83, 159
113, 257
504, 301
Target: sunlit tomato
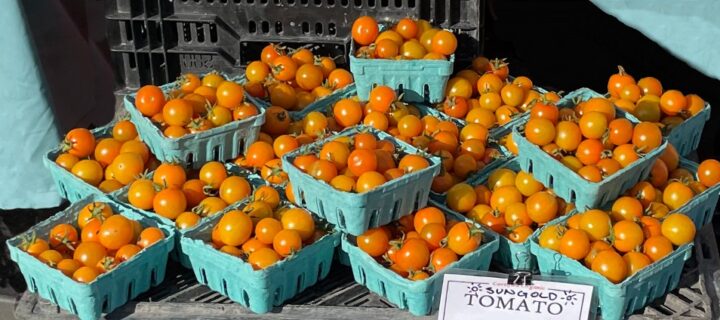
568, 135
234, 228
647, 136
625, 154
412, 49
596, 223
516, 214
678, 228
590, 173
63, 236
68, 266
234, 189
287, 242
540, 131
595, 248
608, 166
364, 30
627, 236
339, 78
187, 220
650, 85
361, 161
657, 210
257, 155
626, 208
149, 236
79, 142
381, 98
525, 183
512, 95
610, 265
177, 112
463, 238
520, 233
501, 178
589, 151
427, 216
444, 42
593, 125
377, 120
169, 203
336, 152
149, 100
304, 162
441, 258
299, 220
636, 261
708, 172
347, 112
263, 258
676, 194
550, 237
309, 76
575, 244
257, 71
433, 234
412, 163
66, 161
630, 92
657, 247
618, 80
461, 197
374, 242
542, 206
323, 170
283, 68
672, 102
368, 181
89, 253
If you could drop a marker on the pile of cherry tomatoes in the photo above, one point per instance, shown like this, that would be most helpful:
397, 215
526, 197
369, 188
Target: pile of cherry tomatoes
407, 40
108, 163
646, 100
421, 244
98, 241
510, 203
483, 94
359, 163
589, 139
616, 245
294, 79
199, 104
263, 232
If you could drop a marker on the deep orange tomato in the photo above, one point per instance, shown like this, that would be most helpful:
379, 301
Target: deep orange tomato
374, 242
149, 100
364, 30
287, 242
169, 203
575, 244
79, 142
89, 253
463, 238
149, 236
610, 265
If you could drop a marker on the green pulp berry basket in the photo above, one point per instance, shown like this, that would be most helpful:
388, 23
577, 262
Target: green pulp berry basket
258, 290
108, 291
701, 207
69, 186
571, 186
685, 137
617, 300
221, 143
418, 80
177, 254
355, 213
419, 297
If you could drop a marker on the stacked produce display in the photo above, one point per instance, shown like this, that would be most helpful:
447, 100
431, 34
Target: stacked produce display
403, 168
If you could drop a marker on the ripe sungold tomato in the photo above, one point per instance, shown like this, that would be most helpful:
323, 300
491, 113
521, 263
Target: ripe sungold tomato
676, 194
309, 76
657, 247
626, 208
336, 152
170, 175
89, 171
593, 125
93, 211
568, 135
575, 244
127, 166
596, 223
361, 161
620, 131
678, 228
187, 220
541, 207
287, 242
116, 232
461, 197
234, 189
413, 255
540, 131
323, 170
708, 172
374, 242
283, 68
263, 258
149, 236
672, 102
427, 216
169, 203
625, 154
610, 265
338, 79
347, 112
364, 30
149, 100
441, 258
369, 181
463, 238
381, 98
141, 194
444, 42
234, 228
636, 261
520, 233
628, 236
647, 136
89, 253
299, 220
433, 234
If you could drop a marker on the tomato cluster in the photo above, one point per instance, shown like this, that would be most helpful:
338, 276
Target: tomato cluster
589, 139
359, 163
172, 195
294, 79
670, 186
647, 100
97, 243
109, 163
616, 244
420, 244
407, 40
263, 232
482, 94
199, 104
510, 203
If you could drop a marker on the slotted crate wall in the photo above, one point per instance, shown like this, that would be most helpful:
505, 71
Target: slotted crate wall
154, 41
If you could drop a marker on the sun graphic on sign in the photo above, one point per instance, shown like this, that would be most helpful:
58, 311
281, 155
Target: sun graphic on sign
570, 297
474, 288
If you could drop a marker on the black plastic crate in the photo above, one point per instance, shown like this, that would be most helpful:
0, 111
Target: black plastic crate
154, 41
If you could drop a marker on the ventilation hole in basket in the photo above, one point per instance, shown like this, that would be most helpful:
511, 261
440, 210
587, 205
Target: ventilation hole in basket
321, 267
278, 294
572, 196
302, 198
398, 3
399, 89
299, 284
153, 276
291, 2
530, 166
265, 27
278, 27
252, 27
128, 31
361, 274
224, 287
318, 2
213, 32
332, 29
305, 27
189, 158
216, 153
550, 181
396, 209
382, 289
371, 3
304, 2
130, 291
331, 3
210, 1
53, 297
105, 304
411, 3
403, 301
262, 1
245, 298
200, 31
344, 3
203, 276
318, 29
223, 1
341, 219
131, 61
416, 205
374, 219
426, 91
33, 285
384, 3
73, 307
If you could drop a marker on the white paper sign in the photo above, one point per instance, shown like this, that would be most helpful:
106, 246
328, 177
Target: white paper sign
475, 297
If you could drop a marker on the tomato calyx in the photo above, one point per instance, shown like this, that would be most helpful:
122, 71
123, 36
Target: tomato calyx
107, 264
201, 210
65, 242
96, 211
28, 240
